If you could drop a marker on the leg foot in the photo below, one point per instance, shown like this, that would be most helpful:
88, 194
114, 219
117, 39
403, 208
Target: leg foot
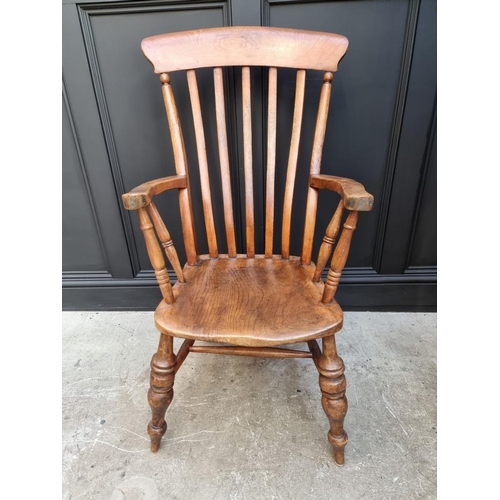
161, 391
156, 433
332, 383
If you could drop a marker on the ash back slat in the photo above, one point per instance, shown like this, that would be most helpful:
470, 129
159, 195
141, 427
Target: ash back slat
248, 160
271, 160
292, 162
220, 114
202, 162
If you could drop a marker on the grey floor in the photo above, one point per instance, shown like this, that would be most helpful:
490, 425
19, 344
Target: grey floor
246, 428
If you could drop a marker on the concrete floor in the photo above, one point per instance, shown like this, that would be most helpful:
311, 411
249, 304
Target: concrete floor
247, 428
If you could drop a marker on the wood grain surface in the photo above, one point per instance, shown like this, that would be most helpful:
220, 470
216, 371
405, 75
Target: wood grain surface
225, 171
142, 195
271, 159
353, 193
249, 302
246, 98
202, 163
181, 167
245, 46
315, 166
293, 156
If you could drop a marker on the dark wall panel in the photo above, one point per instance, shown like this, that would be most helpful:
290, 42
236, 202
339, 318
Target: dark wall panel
84, 97
396, 225
424, 248
139, 135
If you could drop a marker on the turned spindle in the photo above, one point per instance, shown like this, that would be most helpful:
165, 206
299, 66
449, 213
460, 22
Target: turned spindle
156, 256
328, 241
339, 258
166, 241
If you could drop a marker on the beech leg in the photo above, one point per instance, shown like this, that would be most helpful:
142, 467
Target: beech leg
333, 384
161, 391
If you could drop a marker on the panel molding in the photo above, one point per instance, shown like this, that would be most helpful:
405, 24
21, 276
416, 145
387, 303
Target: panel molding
145, 6
88, 189
397, 128
413, 143
85, 12
84, 276
421, 185
131, 295
430, 271
95, 74
353, 275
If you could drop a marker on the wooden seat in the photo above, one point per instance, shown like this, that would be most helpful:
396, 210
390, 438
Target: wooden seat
251, 302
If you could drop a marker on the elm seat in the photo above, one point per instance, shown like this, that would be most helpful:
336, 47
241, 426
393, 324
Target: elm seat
249, 302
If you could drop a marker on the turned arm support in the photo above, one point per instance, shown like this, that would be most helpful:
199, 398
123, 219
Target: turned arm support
143, 195
141, 199
355, 199
339, 257
353, 193
156, 256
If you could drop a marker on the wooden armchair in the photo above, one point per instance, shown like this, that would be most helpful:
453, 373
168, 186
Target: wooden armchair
250, 302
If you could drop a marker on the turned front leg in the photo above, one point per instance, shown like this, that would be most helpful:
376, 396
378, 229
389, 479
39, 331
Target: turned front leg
161, 391
333, 384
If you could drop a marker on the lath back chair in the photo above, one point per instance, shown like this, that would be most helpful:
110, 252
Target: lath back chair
250, 302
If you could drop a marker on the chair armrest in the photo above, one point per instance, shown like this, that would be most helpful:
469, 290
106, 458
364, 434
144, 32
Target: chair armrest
142, 195
353, 193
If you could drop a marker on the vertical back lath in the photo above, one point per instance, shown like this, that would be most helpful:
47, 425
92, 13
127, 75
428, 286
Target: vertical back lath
317, 151
203, 163
292, 162
220, 114
247, 160
271, 160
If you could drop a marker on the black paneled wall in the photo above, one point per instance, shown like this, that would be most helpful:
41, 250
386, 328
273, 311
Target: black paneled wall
381, 132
